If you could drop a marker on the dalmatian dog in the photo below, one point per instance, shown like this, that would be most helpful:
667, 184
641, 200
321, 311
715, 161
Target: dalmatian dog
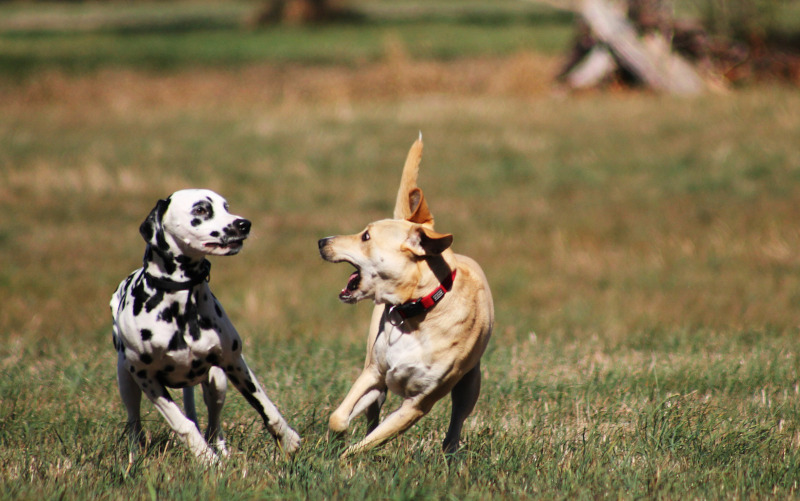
171, 332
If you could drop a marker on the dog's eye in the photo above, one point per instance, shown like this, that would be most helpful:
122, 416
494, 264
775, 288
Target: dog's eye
365, 236
199, 211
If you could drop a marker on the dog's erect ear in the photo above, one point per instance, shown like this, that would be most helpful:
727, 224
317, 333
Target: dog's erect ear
423, 241
411, 204
152, 229
420, 213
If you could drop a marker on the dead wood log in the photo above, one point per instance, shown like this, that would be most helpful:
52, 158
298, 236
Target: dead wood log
607, 36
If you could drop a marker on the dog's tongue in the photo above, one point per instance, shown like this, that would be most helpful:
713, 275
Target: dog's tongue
352, 284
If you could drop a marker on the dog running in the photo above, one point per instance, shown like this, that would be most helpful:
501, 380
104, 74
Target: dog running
170, 331
432, 320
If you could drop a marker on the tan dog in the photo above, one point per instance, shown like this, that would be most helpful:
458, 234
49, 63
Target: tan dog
431, 324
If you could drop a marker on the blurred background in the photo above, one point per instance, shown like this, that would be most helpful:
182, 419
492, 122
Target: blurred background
599, 200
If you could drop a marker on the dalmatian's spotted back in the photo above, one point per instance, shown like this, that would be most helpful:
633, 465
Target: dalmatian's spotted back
170, 331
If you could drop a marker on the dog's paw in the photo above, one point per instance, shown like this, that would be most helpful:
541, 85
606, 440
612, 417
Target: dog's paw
338, 423
290, 441
208, 457
222, 449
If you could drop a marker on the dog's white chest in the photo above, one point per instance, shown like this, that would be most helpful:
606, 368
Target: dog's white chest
405, 361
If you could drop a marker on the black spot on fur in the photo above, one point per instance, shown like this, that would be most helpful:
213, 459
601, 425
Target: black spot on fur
141, 374
212, 359
196, 363
169, 368
167, 260
235, 346
196, 222
177, 342
185, 262
218, 310
154, 301
190, 318
250, 386
161, 240
147, 334
169, 313
206, 206
229, 368
146, 359
205, 323
233, 379
139, 297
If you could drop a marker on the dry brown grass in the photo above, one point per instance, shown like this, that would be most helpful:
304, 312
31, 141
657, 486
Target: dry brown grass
395, 77
614, 213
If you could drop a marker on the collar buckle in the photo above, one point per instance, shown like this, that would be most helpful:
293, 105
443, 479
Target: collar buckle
398, 313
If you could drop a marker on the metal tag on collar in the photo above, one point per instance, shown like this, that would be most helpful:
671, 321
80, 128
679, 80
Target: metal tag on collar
394, 317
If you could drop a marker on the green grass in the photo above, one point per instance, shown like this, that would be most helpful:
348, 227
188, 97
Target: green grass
641, 251
165, 37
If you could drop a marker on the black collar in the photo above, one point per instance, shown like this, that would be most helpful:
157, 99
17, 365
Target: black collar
168, 285
423, 304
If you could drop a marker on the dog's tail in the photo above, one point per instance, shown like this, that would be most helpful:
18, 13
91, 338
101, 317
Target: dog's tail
411, 204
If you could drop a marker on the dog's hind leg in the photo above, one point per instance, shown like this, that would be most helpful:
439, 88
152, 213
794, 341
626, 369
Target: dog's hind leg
214, 395
464, 396
131, 396
189, 407
373, 412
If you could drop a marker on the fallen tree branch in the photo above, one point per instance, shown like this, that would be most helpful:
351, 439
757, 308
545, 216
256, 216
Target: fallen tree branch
649, 59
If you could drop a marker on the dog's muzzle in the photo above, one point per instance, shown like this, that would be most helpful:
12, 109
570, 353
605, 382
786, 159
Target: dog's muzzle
353, 282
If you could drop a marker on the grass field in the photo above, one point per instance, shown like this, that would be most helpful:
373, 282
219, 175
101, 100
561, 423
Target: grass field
641, 251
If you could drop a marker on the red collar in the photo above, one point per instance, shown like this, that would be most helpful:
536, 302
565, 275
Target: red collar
423, 304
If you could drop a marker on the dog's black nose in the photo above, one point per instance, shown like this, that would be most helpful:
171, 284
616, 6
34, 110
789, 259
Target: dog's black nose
322, 242
243, 225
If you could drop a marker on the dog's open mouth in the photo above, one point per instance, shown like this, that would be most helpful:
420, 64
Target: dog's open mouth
231, 243
352, 285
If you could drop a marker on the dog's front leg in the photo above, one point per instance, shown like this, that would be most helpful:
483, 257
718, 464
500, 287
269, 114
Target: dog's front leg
395, 423
365, 393
185, 428
214, 396
245, 381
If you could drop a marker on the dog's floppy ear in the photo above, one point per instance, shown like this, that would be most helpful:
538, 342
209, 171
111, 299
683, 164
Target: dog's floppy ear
423, 241
152, 229
411, 204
